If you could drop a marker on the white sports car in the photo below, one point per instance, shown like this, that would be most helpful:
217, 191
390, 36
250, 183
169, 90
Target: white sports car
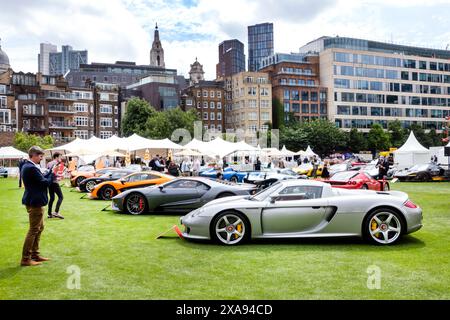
304, 209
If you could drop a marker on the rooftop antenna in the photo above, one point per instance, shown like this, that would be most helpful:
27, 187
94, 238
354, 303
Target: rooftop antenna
446, 48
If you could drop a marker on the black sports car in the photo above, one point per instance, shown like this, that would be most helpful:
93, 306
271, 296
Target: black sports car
179, 195
421, 172
87, 185
3, 172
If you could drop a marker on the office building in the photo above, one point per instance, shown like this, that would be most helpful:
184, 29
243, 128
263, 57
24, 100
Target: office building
373, 82
44, 57
231, 58
248, 98
260, 44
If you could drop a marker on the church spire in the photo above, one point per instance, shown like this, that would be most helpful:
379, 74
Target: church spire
157, 52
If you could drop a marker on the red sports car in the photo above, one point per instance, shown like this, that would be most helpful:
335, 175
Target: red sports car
357, 180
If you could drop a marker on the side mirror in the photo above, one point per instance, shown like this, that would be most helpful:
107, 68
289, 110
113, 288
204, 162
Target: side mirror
161, 188
273, 199
122, 181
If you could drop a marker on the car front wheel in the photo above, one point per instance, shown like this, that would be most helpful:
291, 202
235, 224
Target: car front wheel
135, 204
383, 227
107, 192
90, 186
230, 228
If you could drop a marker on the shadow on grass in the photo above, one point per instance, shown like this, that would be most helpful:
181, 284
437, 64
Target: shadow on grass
9, 272
353, 244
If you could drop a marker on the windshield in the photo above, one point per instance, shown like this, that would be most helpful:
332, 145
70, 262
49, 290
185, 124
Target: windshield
85, 168
419, 167
289, 172
343, 176
263, 194
336, 167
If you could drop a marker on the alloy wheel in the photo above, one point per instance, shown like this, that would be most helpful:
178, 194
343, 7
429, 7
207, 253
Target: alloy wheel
385, 227
230, 229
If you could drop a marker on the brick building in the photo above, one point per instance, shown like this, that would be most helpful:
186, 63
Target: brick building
295, 83
208, 98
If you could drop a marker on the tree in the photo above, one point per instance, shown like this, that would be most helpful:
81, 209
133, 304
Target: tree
356, 141
136, 116
23, 141
325, 137
434, 138
321, 135
161, 125
420, 134
278, 113
397, 133
378, 139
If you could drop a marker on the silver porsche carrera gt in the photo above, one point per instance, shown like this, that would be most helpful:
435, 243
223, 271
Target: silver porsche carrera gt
305, 209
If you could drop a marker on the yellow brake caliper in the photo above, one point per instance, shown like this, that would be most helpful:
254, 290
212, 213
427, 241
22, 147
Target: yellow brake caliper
239, 229
374, 227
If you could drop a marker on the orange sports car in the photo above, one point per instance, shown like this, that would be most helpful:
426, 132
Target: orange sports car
108, 189
85, 172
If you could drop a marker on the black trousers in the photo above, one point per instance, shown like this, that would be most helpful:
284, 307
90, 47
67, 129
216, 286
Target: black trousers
53, 189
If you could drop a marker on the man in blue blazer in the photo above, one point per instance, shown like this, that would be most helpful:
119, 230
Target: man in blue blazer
35, 198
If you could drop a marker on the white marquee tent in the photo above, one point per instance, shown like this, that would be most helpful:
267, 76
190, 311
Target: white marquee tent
11, 153
411, 153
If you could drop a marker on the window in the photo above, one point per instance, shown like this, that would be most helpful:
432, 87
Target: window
81, 107
212, 116
105, 134
105, 108
314, 108
219, 94
2, 102
81, 121
300, 193
82, 134
212, 104
265, 116
286, 94
305, 95
219, 105
116, 109
343, 110
305, 108
205, 94
105, 122
265, 103
342, 83
264, 91
219, 116
187, 184
205, 115
199, 93
2, 89
211, 94
5, 116
205, 104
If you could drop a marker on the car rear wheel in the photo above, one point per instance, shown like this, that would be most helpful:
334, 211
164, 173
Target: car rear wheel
78, 180
423, 177
107, 192
365, 187
383, 226
230, 228
225, 194
135, 203
90, 185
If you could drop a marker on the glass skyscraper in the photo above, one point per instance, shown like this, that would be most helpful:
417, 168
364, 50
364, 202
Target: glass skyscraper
67, 59
231, 58
260, 44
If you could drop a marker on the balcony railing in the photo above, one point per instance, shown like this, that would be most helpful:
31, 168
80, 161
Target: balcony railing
33, 114
34, 128
62, 125
60, 95
61, 109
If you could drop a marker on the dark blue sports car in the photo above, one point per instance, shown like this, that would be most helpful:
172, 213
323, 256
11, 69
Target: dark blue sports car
3, 172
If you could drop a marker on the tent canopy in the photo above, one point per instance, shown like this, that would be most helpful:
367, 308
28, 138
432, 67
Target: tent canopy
412, 145
11, 153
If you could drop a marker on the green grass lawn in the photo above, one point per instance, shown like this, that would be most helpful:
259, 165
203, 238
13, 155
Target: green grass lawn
119, 258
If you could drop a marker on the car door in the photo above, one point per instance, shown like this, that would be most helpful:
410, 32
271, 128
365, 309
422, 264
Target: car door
294, 209
180, 195
372, 183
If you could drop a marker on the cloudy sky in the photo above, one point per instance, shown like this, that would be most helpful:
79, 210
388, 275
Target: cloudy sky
123, 29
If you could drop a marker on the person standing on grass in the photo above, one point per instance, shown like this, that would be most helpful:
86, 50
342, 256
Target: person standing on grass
55, 188
35, 199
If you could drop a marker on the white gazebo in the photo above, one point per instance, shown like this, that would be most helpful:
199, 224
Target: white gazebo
411, 153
